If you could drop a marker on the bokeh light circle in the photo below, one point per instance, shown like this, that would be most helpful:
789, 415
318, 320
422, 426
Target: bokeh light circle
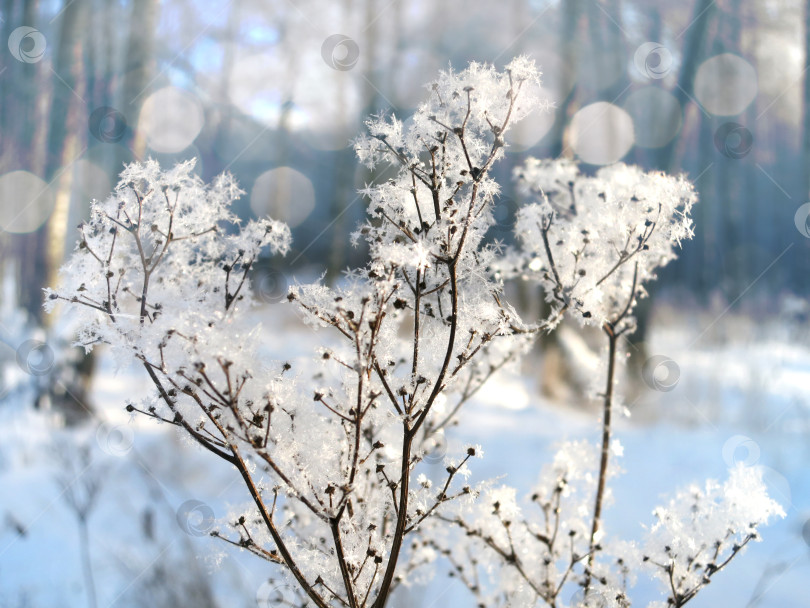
726, 84
601, 133
283, 194
171, 119
26, 202
802, 220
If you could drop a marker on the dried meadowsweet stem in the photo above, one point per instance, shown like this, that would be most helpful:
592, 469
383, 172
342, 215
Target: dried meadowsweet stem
593, 243
162, 276
341, 495
603, 238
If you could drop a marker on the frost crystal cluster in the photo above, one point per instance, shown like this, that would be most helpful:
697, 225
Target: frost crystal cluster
162, 276
159, 272
592, 242
538, 551
335, 451
533, 548
702, 529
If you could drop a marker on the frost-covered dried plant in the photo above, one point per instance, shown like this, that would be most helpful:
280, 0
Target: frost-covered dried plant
702, 529
162, 276
592, 243
342, 499
536, 551
534, 548
427, 277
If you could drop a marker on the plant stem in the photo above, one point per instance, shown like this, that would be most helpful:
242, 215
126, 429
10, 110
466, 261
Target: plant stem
606, 429
399, 532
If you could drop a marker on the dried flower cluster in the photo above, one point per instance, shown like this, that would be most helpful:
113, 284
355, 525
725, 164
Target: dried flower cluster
594, 241
333, 456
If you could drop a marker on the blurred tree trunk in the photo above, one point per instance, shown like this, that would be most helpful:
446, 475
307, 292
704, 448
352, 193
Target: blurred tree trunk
801, 268
6, 88
528, 298
750, 234
692, 53
569, 42
669, 158
140, 64
398, 48
648, 157
705, 221
20, 82
101, 56
344, 163
606, 33
224, 106
605, 27
729, 192
67, 139
26, 97
805, 108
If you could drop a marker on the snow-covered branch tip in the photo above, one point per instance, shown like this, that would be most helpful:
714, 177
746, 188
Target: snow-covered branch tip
593, 242
701, 530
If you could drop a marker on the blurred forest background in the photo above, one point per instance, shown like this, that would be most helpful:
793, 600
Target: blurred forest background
274, 90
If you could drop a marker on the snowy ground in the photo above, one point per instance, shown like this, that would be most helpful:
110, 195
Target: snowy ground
740, 396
